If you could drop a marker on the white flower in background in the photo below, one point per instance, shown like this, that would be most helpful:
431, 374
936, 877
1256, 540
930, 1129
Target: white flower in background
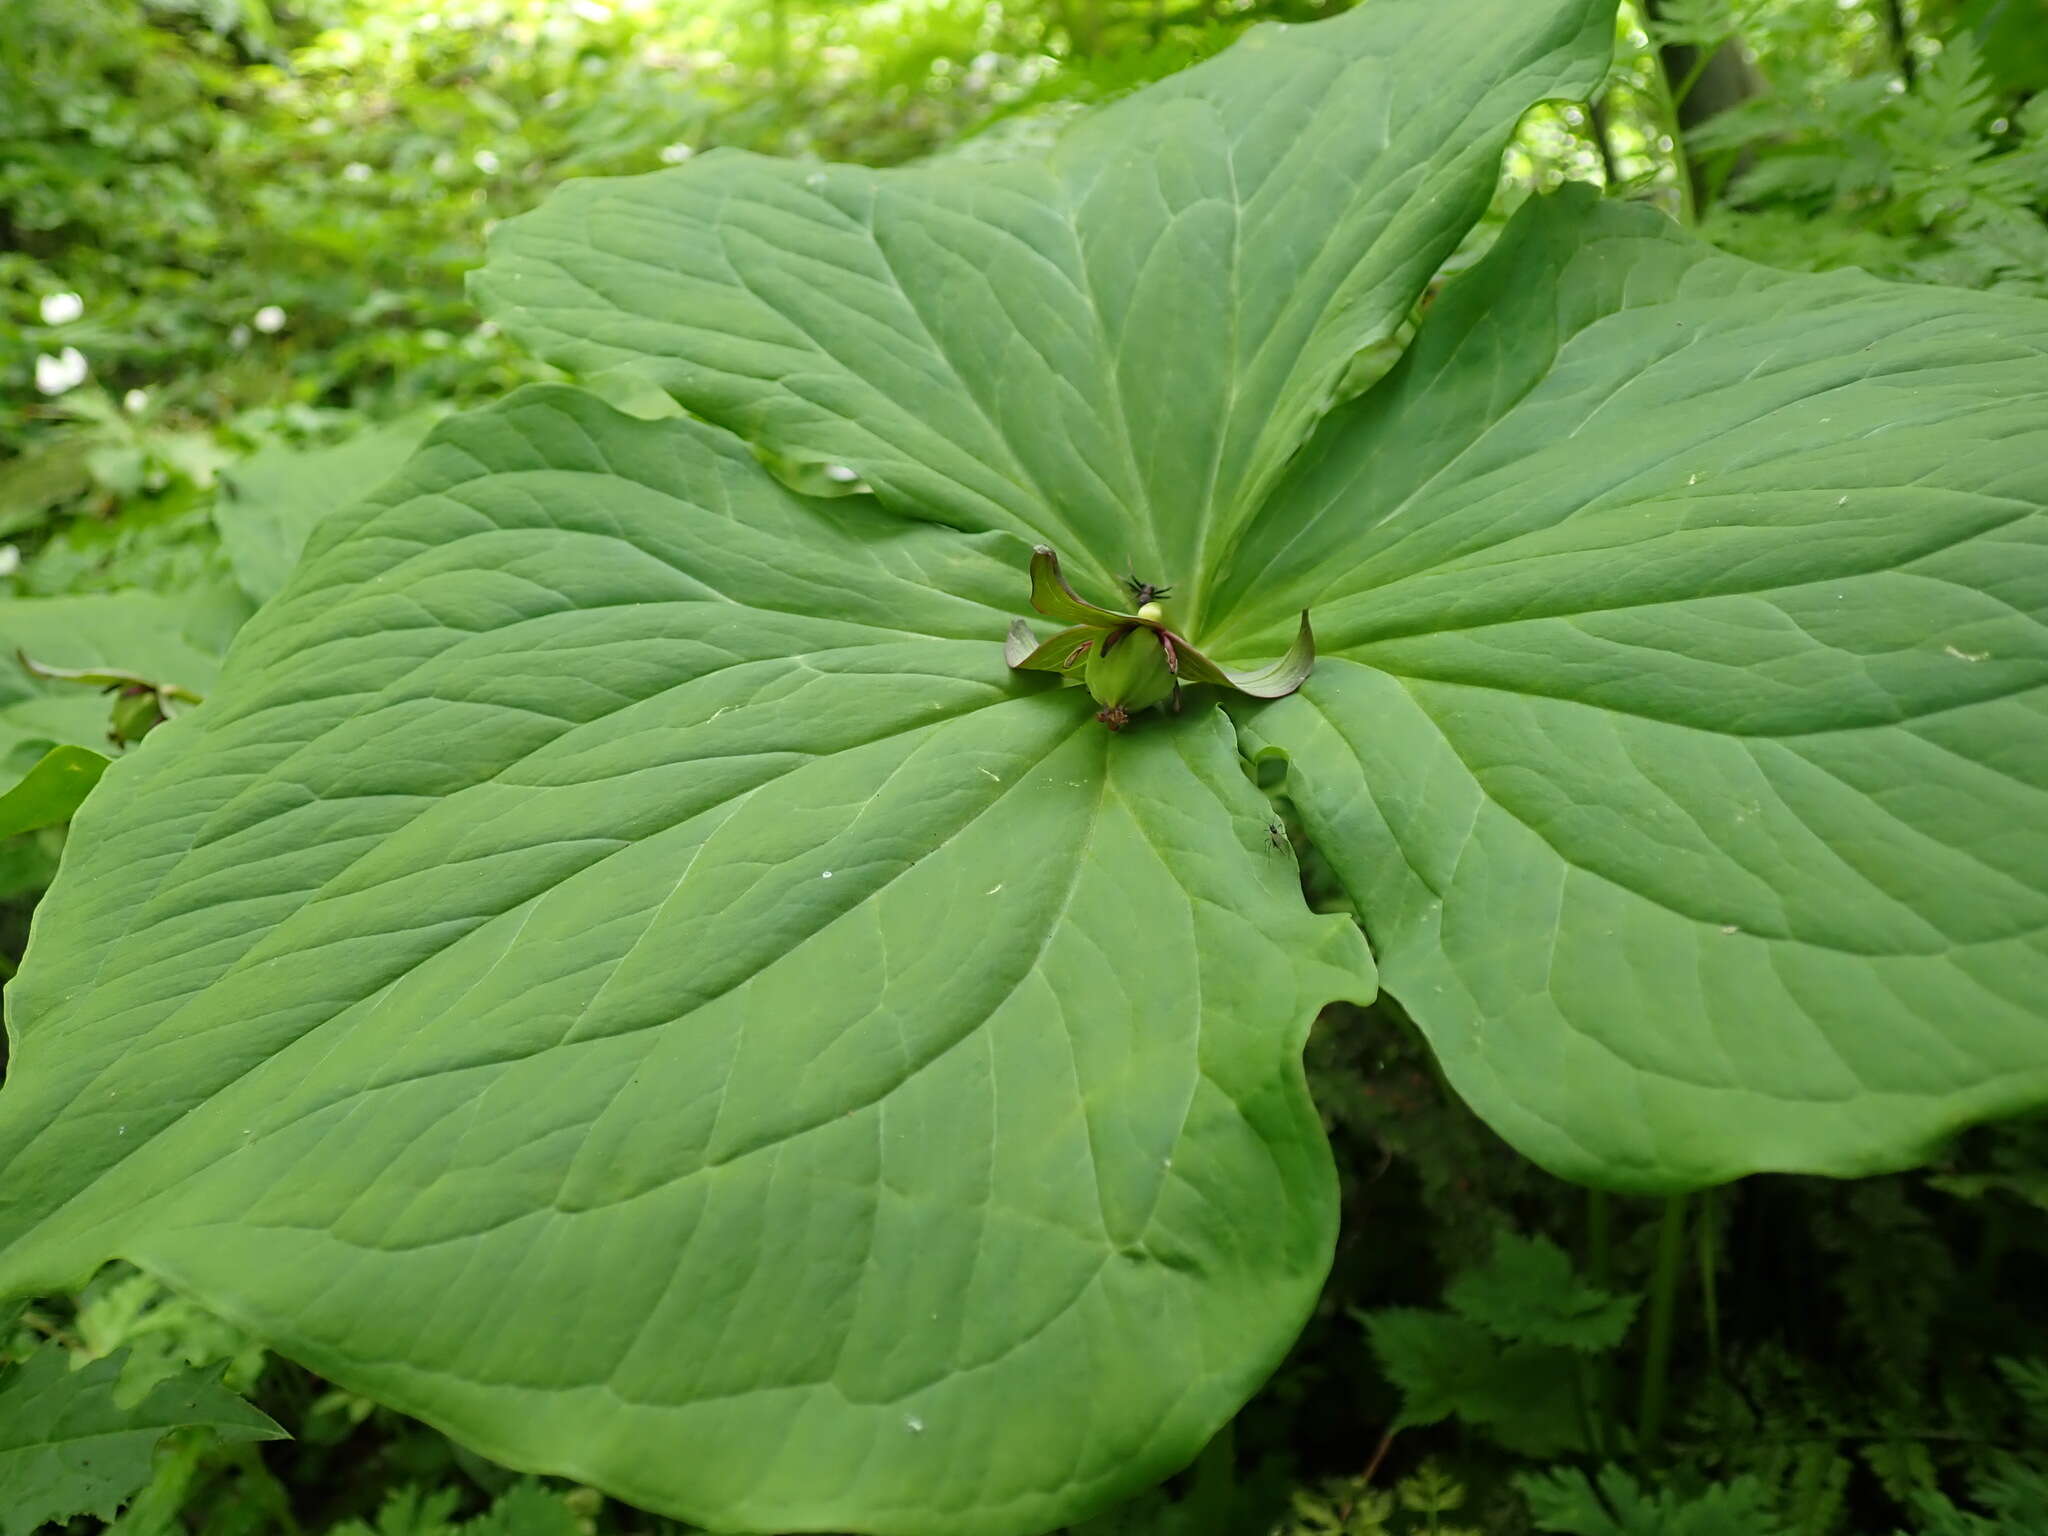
486, 162
10, 559
62, 308
134, 401
269, 320
675, 154
239, 337
355, 170
66, 370
591, 10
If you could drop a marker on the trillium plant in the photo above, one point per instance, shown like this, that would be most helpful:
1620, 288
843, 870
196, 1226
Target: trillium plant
670, 978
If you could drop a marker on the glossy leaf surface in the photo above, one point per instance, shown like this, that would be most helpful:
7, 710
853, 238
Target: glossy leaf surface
1681, 726
622, 964
1112, 352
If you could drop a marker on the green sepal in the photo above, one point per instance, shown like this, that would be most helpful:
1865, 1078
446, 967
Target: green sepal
1051, 596
103, 677
1271, 682
1024, 653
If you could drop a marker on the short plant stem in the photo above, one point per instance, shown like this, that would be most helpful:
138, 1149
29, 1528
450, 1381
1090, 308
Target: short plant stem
1591, 1428
1600, 1271
1663, 1313
1379, 1454
1710, 1290
1599, 1238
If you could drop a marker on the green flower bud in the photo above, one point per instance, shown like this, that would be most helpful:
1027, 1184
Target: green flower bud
1128, 670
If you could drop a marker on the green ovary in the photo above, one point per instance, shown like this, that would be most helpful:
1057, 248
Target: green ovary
1128, 669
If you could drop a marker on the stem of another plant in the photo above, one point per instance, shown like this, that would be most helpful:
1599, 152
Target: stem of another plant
1591, 1429
1663, 1314
1379, 1454
1600, 1270
1667, 113
1710, 1289
1599, 1239
1603, 140
1902, 40
778, 50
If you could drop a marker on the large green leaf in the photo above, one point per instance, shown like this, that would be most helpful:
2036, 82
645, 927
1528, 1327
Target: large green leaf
1113, 351
269, 504
1682, 723
623, 970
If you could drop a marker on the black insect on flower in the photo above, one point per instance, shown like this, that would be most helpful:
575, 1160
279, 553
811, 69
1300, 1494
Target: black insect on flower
1143, 592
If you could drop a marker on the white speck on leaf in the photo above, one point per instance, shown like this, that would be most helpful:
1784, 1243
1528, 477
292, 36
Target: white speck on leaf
1961, 655
1730, 928
914, 1424
826, 876
993, 889
996, 776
